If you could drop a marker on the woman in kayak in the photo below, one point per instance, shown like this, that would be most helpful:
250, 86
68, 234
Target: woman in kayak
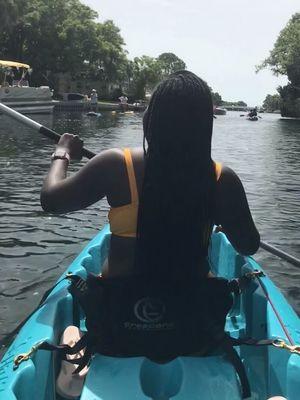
166, 196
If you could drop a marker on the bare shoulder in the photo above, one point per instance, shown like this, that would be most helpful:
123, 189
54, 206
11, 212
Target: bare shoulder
109, 166
229, 180
230, 193
233, 213
229, 175
108, 157
115, 156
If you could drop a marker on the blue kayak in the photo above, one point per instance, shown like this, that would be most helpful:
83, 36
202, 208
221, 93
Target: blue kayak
260, 312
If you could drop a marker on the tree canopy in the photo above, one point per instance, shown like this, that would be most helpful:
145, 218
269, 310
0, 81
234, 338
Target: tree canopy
272, 102
217, 99
59, 36
64, 36
284, 58
145, 72
170, 63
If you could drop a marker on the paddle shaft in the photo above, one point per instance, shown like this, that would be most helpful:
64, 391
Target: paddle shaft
89, 154
38, 127
279, 253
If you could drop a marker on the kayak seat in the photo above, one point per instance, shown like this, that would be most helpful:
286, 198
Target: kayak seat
139, 378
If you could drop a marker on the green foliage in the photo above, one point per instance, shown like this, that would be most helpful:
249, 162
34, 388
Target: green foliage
59, 36
284, 59
110, 55
272, 102
8, 13
144, 73
217, 99
170, 63
63, 36
239, 103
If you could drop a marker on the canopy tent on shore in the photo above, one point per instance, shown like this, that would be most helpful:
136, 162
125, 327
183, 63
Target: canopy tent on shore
14, 64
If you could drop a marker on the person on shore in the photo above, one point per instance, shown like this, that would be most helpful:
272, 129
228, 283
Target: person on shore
123, 103
164, 197
94, 100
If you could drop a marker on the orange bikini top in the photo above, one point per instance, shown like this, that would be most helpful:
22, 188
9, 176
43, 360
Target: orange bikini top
123, 219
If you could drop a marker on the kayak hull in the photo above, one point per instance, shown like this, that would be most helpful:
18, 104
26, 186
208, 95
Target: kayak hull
271, 371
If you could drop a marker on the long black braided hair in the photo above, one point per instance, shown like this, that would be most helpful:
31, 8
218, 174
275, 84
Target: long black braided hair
176, 205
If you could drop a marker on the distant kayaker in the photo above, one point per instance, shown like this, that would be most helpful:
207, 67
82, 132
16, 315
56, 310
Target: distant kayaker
164, 197
252, 113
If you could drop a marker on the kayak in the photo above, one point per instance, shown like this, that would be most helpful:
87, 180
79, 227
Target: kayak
123, 112
260, 312
94, 114
252, 118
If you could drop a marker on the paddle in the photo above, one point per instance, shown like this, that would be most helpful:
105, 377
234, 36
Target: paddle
279, 253
38, 127
89, 154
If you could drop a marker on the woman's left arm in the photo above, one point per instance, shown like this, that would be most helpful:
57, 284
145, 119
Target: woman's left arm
61, 194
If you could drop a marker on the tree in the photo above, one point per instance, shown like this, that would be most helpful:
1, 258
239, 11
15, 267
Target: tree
57, 36
110, 54
13, 25
9, 11
284, 58
272, 102
217, 99
50, 34
146, 73
170, 63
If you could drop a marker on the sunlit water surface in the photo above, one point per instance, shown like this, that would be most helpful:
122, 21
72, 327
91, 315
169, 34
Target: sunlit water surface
35, 247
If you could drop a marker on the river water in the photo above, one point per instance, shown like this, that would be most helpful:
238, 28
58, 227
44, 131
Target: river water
35, 247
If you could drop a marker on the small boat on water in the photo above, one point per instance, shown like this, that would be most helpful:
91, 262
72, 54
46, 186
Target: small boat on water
254, 118
17, 94
260, 311
220, 111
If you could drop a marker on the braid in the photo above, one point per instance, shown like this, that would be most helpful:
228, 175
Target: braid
176, 204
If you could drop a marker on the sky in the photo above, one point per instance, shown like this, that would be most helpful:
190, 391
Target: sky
220, 40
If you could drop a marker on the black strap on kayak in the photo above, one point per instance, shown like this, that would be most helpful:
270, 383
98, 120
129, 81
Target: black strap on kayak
63, 349
251, 342
236, 361
228, 346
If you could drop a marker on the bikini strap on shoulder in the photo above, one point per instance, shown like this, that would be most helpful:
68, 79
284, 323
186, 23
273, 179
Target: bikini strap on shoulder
131, 175
218, 169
